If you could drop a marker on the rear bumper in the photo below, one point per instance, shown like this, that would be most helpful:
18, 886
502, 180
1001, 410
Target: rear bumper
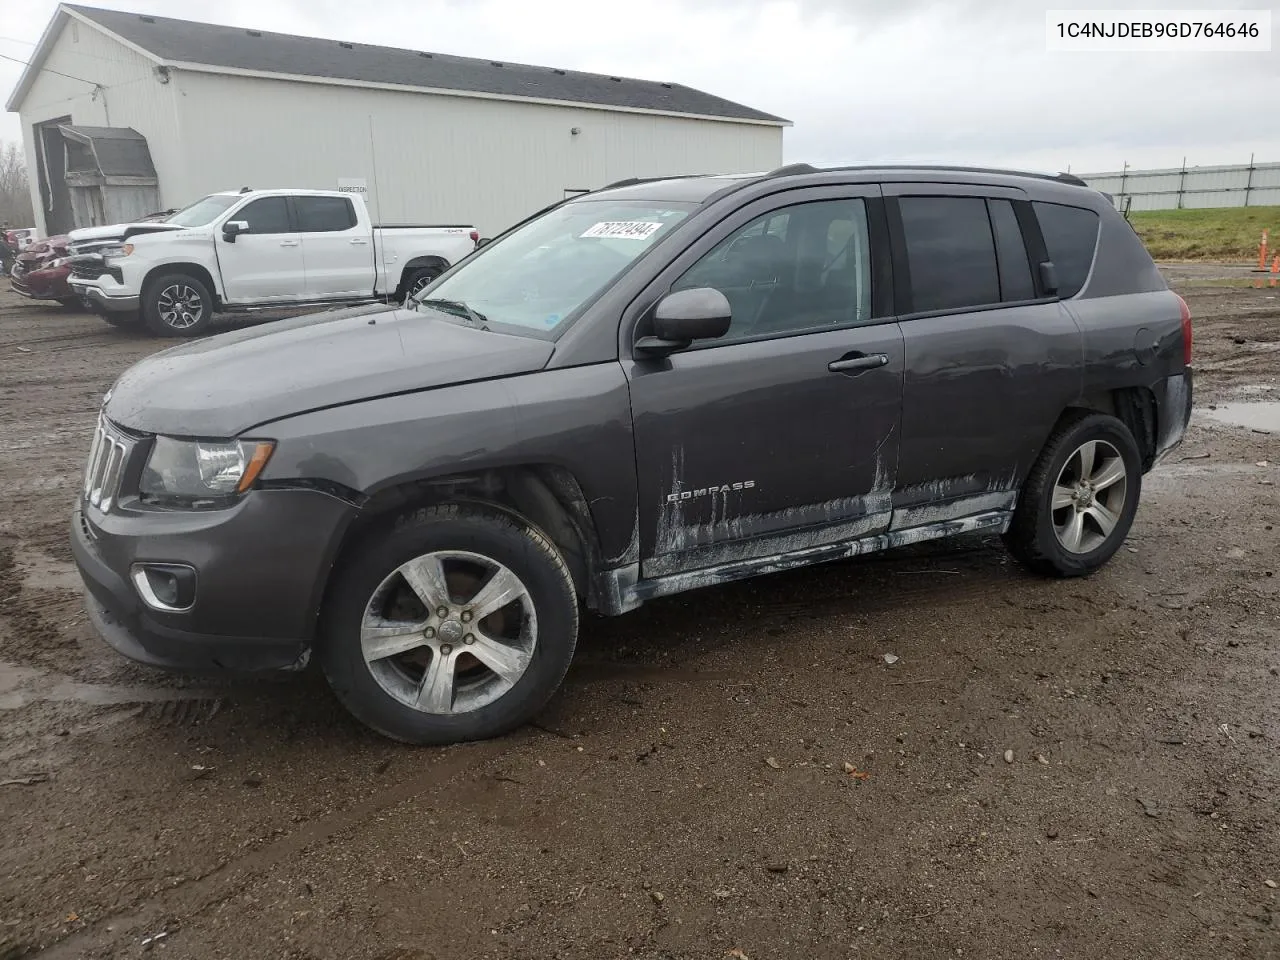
1173, 411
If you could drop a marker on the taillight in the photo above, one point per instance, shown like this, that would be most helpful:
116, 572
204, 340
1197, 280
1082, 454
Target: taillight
475, 236
1186, 331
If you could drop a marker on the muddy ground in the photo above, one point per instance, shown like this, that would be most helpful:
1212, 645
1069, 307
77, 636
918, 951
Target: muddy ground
686, 795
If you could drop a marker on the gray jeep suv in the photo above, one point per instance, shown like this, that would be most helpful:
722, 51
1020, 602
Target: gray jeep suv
657, 386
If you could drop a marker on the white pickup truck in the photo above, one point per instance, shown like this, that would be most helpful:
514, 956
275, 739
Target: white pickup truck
252, 250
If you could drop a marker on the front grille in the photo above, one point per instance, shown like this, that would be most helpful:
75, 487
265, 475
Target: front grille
88, 271
107, 459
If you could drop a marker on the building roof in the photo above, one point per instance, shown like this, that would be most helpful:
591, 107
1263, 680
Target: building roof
119, 151
179, 43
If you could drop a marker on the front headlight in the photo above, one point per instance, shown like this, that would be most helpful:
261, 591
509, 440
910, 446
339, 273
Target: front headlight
199, 471
116, 251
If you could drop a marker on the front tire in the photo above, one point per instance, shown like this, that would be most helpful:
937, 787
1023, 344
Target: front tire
455, 623
177, 305
1079, 502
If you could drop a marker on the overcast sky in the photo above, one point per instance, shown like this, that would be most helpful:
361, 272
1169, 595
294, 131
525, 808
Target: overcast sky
954, 80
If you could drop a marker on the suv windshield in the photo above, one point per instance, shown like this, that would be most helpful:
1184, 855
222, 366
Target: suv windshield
202, 211
535, 280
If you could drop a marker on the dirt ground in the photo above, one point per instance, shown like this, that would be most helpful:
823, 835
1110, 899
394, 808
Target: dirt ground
1050, 769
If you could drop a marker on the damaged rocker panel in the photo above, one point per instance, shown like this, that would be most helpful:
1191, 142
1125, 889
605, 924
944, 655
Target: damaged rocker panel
622, 590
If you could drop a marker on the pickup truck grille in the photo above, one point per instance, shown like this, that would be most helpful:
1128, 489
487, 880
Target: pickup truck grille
108, 457
87, 269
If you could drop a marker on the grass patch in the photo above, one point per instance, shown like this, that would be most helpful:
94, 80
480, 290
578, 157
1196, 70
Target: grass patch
1226, 234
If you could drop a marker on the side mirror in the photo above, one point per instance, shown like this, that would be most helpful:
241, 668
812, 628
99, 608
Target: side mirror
1049, 278
233, 228
702, 313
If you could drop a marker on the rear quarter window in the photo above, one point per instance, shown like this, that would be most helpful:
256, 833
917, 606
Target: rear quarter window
1071, 235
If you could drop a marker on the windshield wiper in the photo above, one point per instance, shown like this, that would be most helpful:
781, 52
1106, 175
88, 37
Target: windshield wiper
458, 309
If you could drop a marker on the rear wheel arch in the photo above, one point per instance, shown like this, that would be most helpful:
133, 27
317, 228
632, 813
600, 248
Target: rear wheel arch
1135, 407
417, 266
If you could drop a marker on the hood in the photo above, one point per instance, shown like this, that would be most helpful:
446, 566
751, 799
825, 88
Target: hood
222, 386
119, 231
45, 249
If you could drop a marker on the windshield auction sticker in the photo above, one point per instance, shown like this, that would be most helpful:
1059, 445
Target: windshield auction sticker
623, 230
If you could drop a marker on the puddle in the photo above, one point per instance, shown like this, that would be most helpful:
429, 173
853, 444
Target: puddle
1254, 414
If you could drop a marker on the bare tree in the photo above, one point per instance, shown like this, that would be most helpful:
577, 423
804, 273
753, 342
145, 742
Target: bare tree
15, 194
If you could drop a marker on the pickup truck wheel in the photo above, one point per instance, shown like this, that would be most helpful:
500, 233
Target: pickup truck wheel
456, 623
1079, 502
177, 305
418, 279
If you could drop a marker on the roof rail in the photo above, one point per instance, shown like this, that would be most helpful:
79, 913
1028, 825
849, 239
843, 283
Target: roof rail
792, 170
797, 169
632, 181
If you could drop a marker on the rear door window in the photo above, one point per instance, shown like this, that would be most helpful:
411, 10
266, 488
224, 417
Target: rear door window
951, 254
324, 214
1070, 234
1011, 251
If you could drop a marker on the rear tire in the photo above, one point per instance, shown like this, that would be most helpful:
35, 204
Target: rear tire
419, 278
1079, 502
177, 305
414, 673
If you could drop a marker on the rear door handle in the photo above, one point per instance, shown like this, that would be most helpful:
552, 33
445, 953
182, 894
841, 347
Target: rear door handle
288, 243
868, 361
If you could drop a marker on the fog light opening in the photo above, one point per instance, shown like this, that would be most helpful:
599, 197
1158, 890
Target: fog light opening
170, 587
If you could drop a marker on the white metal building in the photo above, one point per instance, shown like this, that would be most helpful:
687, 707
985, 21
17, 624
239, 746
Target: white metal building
432, 138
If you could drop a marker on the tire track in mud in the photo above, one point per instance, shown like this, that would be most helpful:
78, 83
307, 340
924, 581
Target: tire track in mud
203, 893
36, 640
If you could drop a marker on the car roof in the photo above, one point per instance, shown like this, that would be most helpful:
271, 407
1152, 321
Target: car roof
700, 189
278, 190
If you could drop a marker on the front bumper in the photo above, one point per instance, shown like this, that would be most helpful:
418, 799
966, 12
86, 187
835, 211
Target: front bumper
41, 284
261, 567
102, 299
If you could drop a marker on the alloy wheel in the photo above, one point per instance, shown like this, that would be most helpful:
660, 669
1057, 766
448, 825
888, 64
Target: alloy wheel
449, 632
1089, 496
180, 306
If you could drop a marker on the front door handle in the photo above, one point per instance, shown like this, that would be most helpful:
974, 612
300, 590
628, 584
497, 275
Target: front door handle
288, 243
868, 361
359, 240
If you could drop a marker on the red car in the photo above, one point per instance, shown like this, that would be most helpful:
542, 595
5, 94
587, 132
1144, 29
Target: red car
41, 271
